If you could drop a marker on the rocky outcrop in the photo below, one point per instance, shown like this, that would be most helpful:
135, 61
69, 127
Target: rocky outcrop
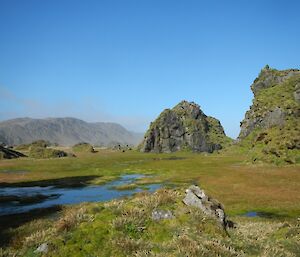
196, 197
271, 126
6, 153
184, 127
265, 111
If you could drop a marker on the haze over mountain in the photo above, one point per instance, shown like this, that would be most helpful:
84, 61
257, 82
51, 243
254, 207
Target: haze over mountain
65, 131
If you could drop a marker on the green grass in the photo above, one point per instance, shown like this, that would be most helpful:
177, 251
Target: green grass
278, 144
118, 228
125, 228
240, 186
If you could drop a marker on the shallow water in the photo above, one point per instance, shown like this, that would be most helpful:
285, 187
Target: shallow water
14, 171
63, 196
261, 214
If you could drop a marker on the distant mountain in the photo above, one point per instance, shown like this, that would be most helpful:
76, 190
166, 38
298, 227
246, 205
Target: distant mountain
65, 131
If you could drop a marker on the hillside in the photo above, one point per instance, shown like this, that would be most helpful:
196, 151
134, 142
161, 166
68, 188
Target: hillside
64, 131
185, 127
271, 127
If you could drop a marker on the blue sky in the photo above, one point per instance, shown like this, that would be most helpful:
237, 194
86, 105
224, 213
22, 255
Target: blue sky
127, 60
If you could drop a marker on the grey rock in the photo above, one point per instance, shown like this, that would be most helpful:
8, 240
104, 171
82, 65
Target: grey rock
183, 127
297, 93
162, 214
260, 116
43, 248
7, 153
267, 79
196, 197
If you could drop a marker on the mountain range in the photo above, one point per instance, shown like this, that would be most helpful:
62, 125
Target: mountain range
65, 131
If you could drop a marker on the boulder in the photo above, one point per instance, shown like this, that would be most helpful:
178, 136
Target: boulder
6, 153
184, 127
196, 197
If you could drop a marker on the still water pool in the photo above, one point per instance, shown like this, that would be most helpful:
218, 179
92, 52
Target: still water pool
23, 199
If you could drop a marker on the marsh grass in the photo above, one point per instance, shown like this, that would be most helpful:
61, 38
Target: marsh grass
101, 229
125, 228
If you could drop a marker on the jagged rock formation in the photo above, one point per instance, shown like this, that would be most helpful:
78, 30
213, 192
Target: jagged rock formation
196, 197
65, 131
184, 127
6, 153
271, 126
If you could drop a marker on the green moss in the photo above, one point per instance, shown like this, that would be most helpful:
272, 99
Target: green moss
278, 144
83, 147
44, 153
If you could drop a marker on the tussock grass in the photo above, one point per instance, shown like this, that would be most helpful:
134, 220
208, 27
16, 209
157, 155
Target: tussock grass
125, 228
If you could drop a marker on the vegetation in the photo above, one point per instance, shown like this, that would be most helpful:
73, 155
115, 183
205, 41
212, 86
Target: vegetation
278, 143
43, 152
83, 147
38, 143
125, 228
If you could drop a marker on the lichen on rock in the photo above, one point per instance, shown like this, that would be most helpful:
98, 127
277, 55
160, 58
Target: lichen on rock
275, 115
184, 127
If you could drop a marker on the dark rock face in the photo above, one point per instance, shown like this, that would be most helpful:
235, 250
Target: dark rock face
266, 113
183, 127
7, 153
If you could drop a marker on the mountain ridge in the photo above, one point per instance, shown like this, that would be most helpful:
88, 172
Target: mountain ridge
65, 131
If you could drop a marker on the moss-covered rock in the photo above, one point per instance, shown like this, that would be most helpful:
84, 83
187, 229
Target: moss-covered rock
185, 127
43, 152
83, 147
271, 127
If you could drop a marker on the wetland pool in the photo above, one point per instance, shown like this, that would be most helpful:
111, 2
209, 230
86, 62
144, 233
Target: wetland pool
23, 199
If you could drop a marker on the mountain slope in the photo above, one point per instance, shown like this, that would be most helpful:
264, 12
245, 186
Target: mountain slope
64, 131
271, 127
184, 127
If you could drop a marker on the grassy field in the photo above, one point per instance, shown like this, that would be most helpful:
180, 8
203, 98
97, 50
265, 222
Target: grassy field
241, 187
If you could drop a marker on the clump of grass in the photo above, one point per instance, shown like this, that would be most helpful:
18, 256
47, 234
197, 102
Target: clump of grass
131, 246
160, 197
71, 217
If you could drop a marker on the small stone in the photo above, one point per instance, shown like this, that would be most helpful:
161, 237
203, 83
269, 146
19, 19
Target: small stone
162, 214
43, 248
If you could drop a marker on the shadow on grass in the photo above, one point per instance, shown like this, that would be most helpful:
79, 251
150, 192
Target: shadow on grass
67, 182
8, 222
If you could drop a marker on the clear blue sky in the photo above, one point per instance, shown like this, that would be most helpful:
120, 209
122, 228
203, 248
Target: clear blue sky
127, 60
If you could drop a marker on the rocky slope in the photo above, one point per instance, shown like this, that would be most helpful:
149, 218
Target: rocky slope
65, 131
271, 126
184, 127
